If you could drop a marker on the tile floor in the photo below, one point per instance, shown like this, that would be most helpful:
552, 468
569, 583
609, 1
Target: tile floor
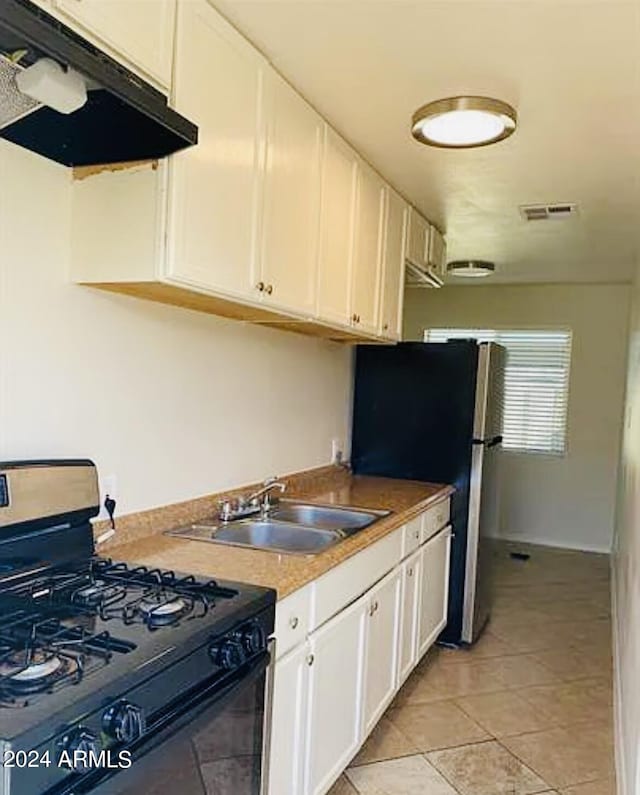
527, 710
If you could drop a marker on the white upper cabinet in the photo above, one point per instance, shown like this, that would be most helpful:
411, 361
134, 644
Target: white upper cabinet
339, 171
417, 239
437, 251
392, 288
381, 662
138, 31
291, 210
370, 205
215, 186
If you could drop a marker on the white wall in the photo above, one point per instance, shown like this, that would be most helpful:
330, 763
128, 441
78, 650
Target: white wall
175, 403
566, 501
626, 569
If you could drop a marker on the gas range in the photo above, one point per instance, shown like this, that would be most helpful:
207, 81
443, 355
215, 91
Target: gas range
102, 662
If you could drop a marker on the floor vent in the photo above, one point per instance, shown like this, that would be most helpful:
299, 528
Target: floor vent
548, 212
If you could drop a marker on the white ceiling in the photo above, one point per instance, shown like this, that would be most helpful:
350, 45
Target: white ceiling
569, 67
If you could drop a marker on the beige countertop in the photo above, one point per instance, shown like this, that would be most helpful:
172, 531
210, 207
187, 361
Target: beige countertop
287, 573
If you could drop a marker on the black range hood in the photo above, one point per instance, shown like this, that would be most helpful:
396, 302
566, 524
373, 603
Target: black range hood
124, 118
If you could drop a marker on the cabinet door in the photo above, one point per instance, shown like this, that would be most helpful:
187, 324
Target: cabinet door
288, 722
368, 249
437, 251
381, 662
434, 589
142, 33
392, 292
335, 697
409, 623
214, 186
337, 219
417, 239
291, 199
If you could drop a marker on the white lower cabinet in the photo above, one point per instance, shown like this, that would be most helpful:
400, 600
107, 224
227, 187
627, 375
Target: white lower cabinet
434, 589
331, 689
381, 656
290, 695
334, 727
409, 622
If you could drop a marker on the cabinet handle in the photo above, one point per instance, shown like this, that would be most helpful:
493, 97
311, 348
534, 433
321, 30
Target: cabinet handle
371, 610
410, 572
310, 659
260, 286
293, 622
269, 289
354, 317
416, 535
385, 327
375, 607
358, 320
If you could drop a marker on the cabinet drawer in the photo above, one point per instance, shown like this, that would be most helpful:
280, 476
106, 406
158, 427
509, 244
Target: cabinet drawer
292, 619
411, 535
435, 519
340, 586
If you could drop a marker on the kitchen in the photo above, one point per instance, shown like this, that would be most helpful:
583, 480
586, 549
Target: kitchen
178, 406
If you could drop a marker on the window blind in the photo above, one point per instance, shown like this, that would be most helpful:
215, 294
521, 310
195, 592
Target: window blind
536, 388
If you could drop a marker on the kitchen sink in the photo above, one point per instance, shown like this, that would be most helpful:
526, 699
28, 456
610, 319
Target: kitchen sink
290, 527
326, 517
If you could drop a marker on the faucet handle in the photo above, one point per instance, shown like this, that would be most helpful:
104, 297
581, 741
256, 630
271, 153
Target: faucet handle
270, 481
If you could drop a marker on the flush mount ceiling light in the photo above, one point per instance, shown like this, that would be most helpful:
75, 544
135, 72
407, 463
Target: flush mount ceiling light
471, 268
463, 122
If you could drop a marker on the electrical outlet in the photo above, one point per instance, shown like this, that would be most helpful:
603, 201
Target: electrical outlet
108, 485
337, 452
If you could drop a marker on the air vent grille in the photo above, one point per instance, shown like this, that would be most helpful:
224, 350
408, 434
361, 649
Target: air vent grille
548, 212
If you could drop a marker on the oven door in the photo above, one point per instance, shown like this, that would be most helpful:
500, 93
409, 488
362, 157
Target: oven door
214, 746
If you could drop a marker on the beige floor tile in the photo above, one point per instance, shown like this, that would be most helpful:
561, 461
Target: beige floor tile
566, 756
583, 663
602, 787
412, 775
486, 769
573, 702
529, 637
444, 682
439, 725
523, 670
486, 647
505, 713
386, 741
343, 787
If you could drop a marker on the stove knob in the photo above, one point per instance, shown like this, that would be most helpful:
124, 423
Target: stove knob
124, 722
77, 747
228, 654
253, 639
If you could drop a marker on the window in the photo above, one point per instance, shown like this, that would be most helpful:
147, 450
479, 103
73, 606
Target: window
536, 384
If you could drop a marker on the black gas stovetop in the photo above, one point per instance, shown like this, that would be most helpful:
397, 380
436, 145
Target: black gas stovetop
92, 652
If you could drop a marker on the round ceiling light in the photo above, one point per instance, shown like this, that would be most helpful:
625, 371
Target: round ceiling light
463, 122
471, 268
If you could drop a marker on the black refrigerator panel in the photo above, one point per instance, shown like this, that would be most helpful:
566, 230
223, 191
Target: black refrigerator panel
413, 419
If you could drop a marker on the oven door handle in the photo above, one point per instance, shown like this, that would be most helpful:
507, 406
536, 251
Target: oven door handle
170, 723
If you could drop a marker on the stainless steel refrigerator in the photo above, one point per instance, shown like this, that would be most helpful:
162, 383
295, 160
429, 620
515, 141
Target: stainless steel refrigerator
433, 411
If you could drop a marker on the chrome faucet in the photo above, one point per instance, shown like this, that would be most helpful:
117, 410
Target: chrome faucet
259, 501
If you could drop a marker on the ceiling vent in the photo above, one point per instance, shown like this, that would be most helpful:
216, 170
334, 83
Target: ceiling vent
548, 212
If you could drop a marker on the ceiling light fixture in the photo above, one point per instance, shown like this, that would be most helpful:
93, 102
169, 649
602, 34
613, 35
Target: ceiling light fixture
463, 122
471, 268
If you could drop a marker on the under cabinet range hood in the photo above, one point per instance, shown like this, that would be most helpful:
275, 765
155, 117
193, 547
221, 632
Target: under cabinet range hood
420, 276
122, 119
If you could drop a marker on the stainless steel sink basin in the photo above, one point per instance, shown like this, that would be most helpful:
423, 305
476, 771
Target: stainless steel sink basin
291, 527
265, 534
324, 516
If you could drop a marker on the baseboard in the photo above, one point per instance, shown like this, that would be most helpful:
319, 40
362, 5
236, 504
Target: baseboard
621, 783
552, 542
